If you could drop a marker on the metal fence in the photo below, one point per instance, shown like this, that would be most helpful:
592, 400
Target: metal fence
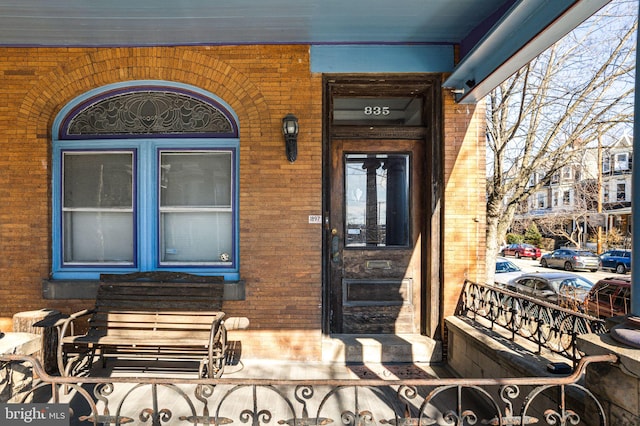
547, 325
412, 402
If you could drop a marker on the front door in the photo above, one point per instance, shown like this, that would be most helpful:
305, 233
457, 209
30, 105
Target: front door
383, 191
376, 225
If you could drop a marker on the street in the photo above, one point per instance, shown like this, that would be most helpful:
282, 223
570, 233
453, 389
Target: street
529, 265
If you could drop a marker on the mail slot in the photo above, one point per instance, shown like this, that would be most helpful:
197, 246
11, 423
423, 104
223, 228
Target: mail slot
378, 264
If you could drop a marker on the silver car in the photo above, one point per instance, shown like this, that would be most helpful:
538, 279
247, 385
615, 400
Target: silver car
563, 288
506, 271
570, 260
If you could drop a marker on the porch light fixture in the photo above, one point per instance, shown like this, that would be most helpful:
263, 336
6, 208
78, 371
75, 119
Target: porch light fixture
290, 132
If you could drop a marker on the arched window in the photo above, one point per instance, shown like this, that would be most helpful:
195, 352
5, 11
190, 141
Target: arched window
145, 178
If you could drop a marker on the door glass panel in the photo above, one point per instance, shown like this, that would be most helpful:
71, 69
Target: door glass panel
377, 200
396, 111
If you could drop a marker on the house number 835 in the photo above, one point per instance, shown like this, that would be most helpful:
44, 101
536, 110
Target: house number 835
376, 110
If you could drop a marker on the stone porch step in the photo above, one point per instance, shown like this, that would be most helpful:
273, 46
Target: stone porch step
380, 348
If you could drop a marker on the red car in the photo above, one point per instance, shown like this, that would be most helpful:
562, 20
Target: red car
521, 250
609, 297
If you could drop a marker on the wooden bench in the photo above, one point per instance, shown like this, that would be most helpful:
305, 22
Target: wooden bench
149, 319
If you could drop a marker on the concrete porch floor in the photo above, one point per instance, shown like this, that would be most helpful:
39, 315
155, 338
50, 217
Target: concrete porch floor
380, 348
278, 370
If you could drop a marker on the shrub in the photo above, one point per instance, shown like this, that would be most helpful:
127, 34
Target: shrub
532, 235
514, 238
614, 238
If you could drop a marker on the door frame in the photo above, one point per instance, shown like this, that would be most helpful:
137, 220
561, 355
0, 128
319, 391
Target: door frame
429, 86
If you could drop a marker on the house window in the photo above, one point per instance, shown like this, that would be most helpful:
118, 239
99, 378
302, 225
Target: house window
97, 207
566, 173
145, 179
606, 164
542, 201
621, 192
566, 198
196, 214
555, 198
605, 194
621, 162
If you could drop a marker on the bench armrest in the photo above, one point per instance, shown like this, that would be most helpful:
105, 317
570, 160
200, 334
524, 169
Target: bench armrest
215, 325
64, 323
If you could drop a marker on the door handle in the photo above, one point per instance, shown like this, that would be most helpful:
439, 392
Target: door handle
335, 246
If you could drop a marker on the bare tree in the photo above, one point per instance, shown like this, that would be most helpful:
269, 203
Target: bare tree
572, 223
562, 100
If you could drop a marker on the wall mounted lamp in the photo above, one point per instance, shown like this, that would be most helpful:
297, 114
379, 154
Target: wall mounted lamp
290, 132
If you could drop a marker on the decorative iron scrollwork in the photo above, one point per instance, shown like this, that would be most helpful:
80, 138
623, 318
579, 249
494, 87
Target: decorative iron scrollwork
350, 402
550, 326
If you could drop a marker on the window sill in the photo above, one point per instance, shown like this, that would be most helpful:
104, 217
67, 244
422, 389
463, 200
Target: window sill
87, 289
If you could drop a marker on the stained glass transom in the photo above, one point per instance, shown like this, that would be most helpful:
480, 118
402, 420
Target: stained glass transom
148, 112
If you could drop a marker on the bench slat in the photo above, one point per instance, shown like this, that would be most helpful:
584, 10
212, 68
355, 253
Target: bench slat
162, 305
183, 316
151, 325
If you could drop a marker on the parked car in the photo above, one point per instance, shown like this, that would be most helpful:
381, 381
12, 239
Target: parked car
609, 297
506, 270
521, 250
616, 260
571, 259
563, 288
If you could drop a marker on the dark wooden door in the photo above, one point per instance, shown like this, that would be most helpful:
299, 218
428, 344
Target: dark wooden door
376, 224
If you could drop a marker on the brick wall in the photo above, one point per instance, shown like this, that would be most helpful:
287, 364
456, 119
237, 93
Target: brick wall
465, 198
280, 251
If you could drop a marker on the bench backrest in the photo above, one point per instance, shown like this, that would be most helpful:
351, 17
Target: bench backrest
159, 310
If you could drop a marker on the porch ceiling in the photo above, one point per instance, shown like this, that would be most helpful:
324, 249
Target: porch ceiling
489, 33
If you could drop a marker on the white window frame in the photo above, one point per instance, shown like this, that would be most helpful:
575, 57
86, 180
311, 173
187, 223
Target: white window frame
606, 163
618, 192
621, 162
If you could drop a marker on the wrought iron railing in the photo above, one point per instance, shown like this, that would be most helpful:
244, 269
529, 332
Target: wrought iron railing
352, 402
547, 325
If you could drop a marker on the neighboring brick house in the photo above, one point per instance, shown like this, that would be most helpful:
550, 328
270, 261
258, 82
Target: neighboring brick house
171, 158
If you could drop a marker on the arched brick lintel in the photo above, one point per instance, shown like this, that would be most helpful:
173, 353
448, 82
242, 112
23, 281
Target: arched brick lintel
108, 66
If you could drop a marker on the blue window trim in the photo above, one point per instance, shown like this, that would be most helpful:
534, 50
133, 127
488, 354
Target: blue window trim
146, 208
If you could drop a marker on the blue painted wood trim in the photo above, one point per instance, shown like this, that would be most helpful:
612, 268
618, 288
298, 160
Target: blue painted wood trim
146, 197
525, 31
382, 58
